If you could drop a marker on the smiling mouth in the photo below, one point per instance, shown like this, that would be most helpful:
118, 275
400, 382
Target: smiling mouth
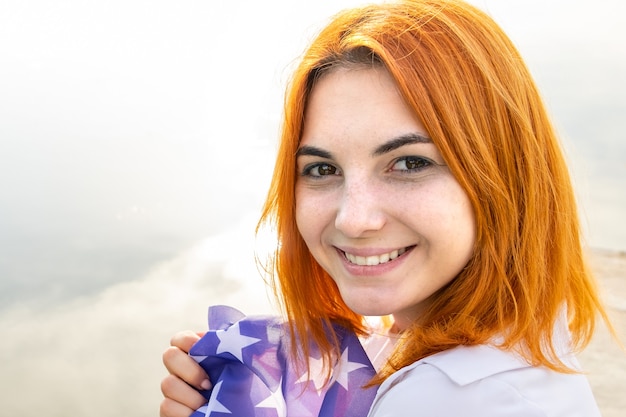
376, 259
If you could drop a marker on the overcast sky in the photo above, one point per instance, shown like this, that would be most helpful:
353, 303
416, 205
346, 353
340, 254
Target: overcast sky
131, 129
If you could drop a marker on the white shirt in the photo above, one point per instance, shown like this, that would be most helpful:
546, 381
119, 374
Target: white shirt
483, 381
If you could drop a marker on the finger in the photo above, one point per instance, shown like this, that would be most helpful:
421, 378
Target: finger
185, 340
179, 392
170, 408
181, 365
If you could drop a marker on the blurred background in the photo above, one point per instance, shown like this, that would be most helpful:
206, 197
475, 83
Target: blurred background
136, 143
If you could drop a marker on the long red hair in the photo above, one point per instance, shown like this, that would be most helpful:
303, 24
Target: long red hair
468, 85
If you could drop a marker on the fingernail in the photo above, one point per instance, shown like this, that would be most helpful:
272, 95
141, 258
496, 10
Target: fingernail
206, 384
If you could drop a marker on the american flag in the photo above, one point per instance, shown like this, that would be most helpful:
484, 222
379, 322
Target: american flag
247, 361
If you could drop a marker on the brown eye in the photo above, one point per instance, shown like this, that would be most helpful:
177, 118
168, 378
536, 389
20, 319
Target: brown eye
325, 169
320, 170
411, 163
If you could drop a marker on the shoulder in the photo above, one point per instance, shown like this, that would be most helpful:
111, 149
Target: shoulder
482, 381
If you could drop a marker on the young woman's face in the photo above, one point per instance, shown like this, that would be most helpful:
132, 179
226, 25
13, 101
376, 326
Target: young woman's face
375, 203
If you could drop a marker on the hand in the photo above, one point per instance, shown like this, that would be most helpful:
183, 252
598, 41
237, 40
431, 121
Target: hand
186, 376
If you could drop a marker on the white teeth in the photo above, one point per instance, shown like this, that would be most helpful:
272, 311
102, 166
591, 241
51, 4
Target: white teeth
376, 259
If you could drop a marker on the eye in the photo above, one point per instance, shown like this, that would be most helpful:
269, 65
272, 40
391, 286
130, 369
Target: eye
319, 170
410, 163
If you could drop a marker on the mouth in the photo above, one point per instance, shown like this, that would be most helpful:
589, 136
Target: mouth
376, 259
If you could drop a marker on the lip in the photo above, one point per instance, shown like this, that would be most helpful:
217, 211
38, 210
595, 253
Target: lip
371, 270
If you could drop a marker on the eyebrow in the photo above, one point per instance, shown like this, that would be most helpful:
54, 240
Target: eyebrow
400, 141
313, 151
391, 145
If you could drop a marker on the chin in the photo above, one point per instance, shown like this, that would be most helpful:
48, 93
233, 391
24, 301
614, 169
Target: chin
368, 310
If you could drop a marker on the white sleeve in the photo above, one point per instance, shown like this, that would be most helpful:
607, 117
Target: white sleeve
426, 391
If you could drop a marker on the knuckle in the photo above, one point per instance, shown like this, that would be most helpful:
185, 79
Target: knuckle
180, 337
167, 408
168, 385
170, 354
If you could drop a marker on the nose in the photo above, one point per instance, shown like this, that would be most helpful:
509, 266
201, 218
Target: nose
361, 209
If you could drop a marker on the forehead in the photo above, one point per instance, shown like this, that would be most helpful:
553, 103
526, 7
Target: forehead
357, 103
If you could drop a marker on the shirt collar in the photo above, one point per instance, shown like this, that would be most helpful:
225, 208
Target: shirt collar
467, 364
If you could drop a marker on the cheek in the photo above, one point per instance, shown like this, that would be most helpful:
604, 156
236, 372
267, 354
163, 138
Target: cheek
300, 216
307, 216
448, 215
463, 224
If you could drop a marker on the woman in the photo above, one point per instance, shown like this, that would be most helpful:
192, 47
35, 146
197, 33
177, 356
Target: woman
419, 177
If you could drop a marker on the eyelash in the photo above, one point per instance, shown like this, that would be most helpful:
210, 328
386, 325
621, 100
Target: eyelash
308, 170
422, 163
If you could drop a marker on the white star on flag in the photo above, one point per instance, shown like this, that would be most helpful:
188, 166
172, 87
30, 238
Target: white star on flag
317, 374
275, 400
215, 405
344, 367
233, 342
198, 358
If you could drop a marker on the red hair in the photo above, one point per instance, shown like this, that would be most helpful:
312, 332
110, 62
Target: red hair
468, 85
